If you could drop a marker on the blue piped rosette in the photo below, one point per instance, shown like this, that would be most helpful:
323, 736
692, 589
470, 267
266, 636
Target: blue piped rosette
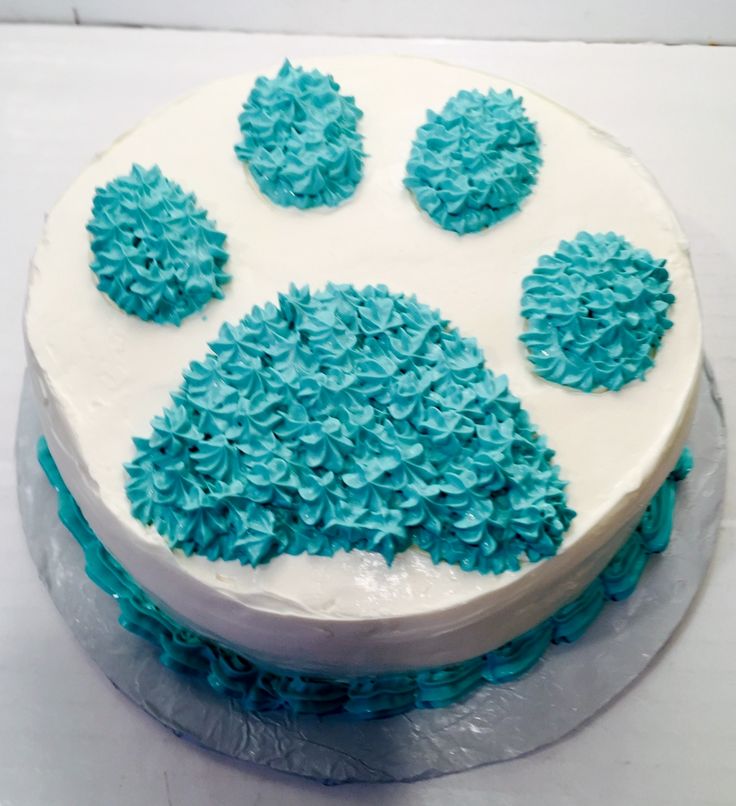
300, 139
596, 312
156, 253
473, 163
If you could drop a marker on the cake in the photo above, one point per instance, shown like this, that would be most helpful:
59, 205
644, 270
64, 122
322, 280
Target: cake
362, 382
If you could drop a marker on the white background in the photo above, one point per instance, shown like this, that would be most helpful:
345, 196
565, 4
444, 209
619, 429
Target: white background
66, 736
670, 21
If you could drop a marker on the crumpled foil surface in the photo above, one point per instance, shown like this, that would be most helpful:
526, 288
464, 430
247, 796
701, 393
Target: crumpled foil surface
569, 685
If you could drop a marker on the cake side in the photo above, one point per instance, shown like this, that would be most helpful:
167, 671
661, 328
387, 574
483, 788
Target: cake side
260, 687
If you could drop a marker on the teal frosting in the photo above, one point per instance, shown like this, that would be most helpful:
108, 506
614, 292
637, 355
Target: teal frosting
343, 420
156, 253
473, 163
596, 312
259, 687
301, 140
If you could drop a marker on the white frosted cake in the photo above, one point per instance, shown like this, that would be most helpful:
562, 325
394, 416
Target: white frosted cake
363, 605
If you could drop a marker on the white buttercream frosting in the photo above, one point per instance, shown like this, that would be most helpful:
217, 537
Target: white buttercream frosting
102, 375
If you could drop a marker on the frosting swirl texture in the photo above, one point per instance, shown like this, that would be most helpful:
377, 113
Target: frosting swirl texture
156, 253
473, 163
596, 311
301, 140
348, 419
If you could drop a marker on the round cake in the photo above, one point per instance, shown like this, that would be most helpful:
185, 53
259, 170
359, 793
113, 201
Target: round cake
499, 226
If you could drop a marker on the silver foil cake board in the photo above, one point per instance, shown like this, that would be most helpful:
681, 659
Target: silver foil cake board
568, 687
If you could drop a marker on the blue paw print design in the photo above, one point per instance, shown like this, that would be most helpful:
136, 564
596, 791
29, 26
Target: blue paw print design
473, 163
300, 139
157, 255
360, 419
347, 419
596, 312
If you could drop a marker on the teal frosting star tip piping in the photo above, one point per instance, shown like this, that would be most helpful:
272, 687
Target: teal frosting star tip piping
156, 253
348, 419
472, 164
300, 139
596, 311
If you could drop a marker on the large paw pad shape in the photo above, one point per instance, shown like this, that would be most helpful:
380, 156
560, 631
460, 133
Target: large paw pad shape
348, 419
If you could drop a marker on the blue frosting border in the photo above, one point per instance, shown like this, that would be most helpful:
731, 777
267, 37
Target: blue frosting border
258, 687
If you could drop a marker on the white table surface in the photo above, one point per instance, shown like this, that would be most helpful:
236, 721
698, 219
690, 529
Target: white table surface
671, 21
66, 736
